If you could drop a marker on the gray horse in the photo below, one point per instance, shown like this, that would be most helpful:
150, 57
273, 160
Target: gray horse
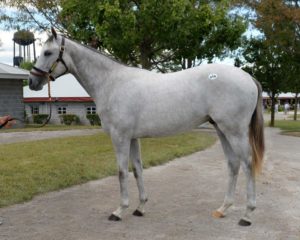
134, 103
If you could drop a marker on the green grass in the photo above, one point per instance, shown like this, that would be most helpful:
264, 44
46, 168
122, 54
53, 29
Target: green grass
292, 116
31, 168
288, 125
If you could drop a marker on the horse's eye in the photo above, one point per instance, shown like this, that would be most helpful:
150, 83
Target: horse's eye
47, 53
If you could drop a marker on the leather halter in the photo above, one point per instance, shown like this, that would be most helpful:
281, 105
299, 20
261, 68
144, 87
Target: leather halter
41, 73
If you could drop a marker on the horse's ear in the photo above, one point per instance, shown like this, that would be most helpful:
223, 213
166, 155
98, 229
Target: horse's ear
54, 32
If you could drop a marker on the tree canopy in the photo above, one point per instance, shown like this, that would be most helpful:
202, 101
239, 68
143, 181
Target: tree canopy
265, 63
274, 58
165, 35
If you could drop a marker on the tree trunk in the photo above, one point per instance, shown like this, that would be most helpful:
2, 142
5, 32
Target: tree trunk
146, 51
187, 63
296, 107
183, 63
272, 123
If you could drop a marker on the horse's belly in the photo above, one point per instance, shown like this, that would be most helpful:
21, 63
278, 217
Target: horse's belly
168, 124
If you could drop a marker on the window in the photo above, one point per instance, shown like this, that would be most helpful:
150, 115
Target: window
61, 110
35, 110
91, 110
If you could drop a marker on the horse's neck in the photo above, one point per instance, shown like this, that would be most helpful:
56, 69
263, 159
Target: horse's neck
94, 71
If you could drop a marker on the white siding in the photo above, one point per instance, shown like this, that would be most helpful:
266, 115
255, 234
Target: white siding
76, 108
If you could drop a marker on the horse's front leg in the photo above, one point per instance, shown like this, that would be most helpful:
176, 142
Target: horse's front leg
122, 147
135, 156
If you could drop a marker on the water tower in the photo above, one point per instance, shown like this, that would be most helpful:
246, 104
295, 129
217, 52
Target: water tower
25, 41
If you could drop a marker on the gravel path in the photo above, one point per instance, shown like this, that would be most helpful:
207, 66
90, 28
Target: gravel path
182, 195
11, 137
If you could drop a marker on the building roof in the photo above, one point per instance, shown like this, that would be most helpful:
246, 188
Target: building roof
63, 87
9, 72
281, 95
58, 99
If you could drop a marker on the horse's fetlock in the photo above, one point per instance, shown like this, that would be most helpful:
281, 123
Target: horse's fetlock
251, 207
228, 202
125, 205
143, 199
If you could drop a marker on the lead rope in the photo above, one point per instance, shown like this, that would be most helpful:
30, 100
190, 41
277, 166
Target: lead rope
50, 110
50, 104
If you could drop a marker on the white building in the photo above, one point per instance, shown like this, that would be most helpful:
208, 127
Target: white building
281, 99
68, 97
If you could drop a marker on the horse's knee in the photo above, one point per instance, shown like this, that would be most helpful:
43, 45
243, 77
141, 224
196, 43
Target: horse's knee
123, 174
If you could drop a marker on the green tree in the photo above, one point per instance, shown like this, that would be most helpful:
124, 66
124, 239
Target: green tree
30, 14
155, 33
166, 35
27, 66
265, 63
279, 21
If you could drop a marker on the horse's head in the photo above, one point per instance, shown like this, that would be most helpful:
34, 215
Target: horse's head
50, 64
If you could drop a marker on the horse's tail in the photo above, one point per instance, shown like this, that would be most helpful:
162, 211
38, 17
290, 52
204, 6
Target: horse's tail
256, 133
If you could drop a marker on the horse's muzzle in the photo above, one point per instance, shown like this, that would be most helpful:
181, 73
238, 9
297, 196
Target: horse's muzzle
33, 85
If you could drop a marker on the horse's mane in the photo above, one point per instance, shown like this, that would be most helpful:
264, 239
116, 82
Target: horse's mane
51, 39
109, 56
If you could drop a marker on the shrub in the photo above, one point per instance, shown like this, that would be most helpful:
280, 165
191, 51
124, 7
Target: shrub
39, 118
69, 119
94, 119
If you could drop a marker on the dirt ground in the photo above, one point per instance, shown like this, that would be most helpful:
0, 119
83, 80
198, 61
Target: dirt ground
182, 196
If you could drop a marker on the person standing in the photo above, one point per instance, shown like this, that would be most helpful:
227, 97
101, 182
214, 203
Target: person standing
286, 108
276, 107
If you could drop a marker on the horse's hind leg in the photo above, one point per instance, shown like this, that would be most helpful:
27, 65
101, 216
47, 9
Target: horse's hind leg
239, 142
135, 156
251, 192
233, 170
241, 147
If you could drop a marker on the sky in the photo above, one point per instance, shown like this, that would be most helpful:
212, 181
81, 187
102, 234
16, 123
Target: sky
65, 86
6, 50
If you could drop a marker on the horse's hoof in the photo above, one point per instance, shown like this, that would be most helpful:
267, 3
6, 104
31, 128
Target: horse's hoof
217, 214
244, 223
114, 218
138, 213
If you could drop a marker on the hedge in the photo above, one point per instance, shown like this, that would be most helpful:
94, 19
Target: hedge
94, 119
69, 119
39, 118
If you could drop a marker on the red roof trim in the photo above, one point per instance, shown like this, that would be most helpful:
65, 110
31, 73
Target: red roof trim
58, 99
